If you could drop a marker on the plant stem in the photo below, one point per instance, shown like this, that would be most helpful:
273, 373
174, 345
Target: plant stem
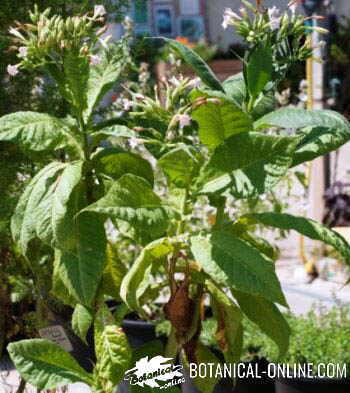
21, 386
89, 177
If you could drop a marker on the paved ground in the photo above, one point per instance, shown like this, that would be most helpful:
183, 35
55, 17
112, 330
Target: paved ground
300, 296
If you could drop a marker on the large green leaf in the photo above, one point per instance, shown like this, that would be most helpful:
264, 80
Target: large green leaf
132, 199
76, 71
113, 273
229, 317
219, 120
137, 279
117, 131
300, 118
102, 77
306, 227
195, 62
46, 365
259, 70
80, 266
180, 166
35, 131
115, 163
234, 263
32, 209
113, 357
235, 88
81, 321
267, 316
326, 130
248, 164
320, 141
42, 209
60, 213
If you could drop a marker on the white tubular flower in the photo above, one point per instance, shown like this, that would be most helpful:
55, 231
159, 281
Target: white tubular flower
127, 104
195, 83
133, 142
139, 97
184, 120
293, 5
12, 70
322, 44
99, 10
174, 81
16, 33
95, 60
23, 51
274, 16
230, 18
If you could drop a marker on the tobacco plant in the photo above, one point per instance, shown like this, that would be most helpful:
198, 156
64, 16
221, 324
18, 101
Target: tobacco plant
213, 141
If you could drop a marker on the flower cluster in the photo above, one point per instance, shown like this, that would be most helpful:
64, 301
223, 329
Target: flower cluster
286, 33
50, 38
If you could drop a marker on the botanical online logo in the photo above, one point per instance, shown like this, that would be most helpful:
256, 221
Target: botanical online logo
151, 372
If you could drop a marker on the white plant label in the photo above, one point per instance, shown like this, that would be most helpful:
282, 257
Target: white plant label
57, 335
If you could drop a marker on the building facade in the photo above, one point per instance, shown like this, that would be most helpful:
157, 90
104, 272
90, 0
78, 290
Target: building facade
195, 19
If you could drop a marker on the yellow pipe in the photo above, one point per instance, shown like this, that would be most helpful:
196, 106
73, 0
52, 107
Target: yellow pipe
310, 265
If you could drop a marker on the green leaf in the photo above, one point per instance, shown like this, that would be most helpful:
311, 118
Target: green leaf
132, 199
116, 131
298, 118
59, 289
115, 163
35, 131
113, 273
30, 219
195, 62
137, 280
320, 141
324, 130
204, 355
180, 166
81, 321
306, 227
232, 262
76, 71
267, 316
235, 88
81, 266
248, 164
102, 77
259, 70
218, 121
229, 317
42, 209
46, 365
60, 215
113, 357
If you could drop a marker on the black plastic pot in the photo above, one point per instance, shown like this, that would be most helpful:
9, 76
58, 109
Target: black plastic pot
138, 332
315, 385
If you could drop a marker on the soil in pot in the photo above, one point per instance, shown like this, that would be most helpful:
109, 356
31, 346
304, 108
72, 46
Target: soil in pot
316, 385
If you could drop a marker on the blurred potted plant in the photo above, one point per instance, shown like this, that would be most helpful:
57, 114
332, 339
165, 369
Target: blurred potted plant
319, 338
